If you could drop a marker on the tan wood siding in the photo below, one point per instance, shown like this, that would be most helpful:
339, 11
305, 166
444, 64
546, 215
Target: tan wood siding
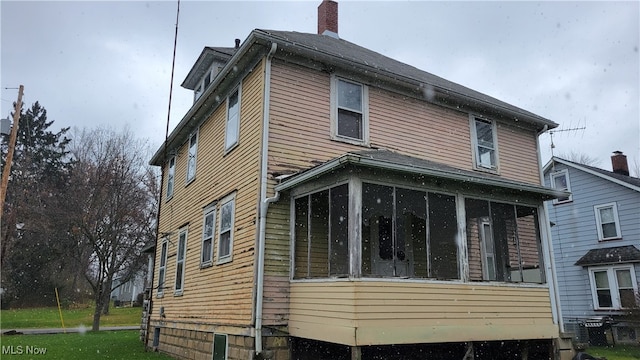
277, 264
386, 312
518, 154
222, 293
300, 128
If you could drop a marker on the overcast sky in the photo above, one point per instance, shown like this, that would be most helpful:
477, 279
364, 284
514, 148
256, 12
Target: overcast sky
109, 63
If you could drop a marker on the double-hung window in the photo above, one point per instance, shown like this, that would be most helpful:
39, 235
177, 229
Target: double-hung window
233, 120
209, 222
607, 221
162, 269
349, 107
191, 161
180, 261
484, 143
560, 181
171, 174
613, 287
225, 242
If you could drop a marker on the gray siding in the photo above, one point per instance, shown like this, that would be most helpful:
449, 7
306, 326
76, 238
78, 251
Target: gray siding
575, 233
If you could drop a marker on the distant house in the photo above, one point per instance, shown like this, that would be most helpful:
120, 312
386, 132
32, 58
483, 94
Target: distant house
596, 246
127, 293
324, 201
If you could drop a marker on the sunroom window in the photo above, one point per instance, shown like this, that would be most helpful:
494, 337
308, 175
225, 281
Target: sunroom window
408, 233
321, 232
503, 242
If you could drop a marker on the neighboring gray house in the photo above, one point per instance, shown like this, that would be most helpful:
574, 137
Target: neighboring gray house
596, 245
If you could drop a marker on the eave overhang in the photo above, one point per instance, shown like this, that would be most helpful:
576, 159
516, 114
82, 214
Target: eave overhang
393, 162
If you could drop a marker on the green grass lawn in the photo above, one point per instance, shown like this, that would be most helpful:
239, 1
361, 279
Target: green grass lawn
618, 352
113, 345
49, 318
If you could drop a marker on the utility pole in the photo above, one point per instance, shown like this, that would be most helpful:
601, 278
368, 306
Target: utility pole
12, 144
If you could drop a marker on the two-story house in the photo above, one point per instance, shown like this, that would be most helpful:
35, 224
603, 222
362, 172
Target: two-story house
596, 244
323, 201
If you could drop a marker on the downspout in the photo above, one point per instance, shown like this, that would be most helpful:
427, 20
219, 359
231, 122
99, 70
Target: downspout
552, 278
264, 200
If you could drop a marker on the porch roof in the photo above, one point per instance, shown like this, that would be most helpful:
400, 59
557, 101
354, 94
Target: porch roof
396, 162
612, 255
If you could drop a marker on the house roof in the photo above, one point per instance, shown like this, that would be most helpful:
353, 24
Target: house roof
433, 87
630, 182
612, 255
396, 162
335, 53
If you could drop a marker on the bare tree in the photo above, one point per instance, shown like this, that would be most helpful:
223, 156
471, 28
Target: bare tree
116, 203
580, 158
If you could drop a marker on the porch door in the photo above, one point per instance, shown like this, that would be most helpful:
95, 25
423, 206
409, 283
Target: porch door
387, 257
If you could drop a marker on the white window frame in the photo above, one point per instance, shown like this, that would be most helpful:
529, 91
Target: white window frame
207, 259
488, 251
162, 268
335, 84
552, 178
171, 177
182, 241
614, 207
477, 163
226, 202
192, 155
202, 85
228, 146
614, 289
226, 344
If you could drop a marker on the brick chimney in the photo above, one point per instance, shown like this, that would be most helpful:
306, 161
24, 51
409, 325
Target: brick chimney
328, 18
619, 163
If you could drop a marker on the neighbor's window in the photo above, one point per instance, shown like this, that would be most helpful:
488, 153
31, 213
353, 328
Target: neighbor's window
162, 269
233, 120
171, 177
613, 287
208, 227
220, 347
191, 162
560, 181
408, 233
350, 116
180, 263
503, 242
484, 142
225, 242
322, 234
607, 221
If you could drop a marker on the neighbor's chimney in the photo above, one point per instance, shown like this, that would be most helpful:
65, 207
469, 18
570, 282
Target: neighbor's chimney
328, 18
619, 163
237, 43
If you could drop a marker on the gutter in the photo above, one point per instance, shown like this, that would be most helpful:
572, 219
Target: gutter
264, 200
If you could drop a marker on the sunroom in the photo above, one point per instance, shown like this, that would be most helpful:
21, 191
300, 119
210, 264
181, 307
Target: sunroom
390, 249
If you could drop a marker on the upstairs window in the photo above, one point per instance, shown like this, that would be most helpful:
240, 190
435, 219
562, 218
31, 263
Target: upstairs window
171, 173
613, 287
350, 120
209, 222
225, 242
607, 221
180, 262
484, 143
560, 181
233, 120
191, 161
